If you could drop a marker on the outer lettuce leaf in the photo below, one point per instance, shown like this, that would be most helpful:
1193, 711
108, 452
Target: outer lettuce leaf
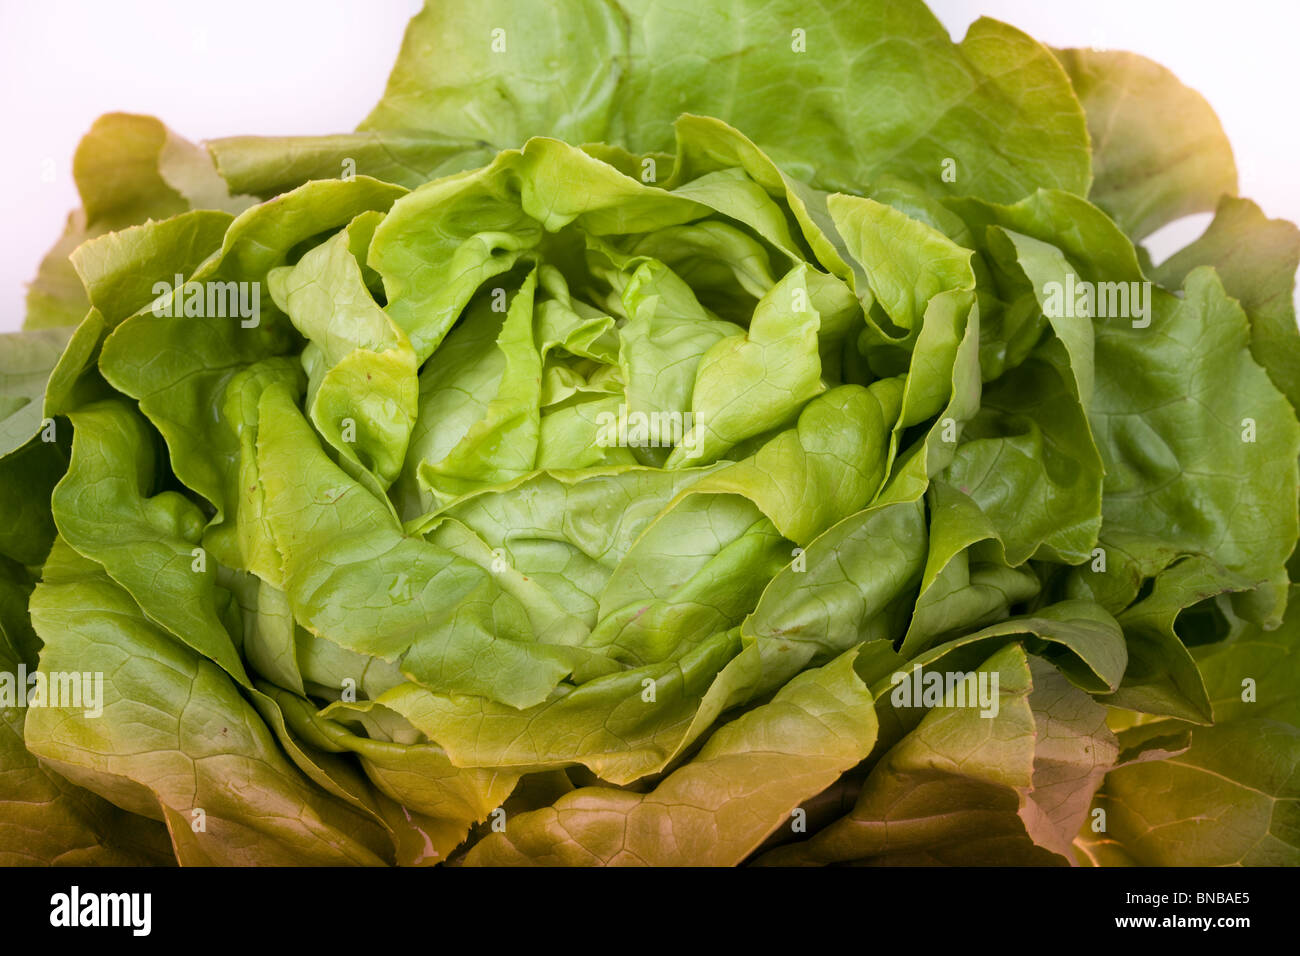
50, 821
55, 296
966, 789
128, 169
772, 758
484, 72
33, 447
173, 735
266, 166
1255, 258
27, 479
1173, 416
47, 820
121, 272
620, 72
1174, 440
27, 359
1158, 150
426, 802
1232, 798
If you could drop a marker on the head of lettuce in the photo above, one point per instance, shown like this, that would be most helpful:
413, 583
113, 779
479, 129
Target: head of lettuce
662, 437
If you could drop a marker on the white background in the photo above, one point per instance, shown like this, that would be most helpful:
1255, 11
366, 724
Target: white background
277, 67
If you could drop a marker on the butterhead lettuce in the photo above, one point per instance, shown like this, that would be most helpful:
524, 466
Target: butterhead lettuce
661, 434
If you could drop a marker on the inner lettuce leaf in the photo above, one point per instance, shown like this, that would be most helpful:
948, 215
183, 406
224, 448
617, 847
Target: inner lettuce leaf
641, 444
